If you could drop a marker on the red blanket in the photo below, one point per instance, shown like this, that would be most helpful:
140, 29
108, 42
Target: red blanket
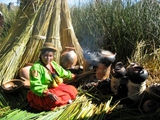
64, 93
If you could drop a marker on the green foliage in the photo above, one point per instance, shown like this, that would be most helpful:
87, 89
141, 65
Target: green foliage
9, 19
117, 25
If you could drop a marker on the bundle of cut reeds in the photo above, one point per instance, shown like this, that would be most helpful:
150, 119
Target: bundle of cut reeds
83, 108
39, 33
68, 36
53, 34
1, 22
14, 45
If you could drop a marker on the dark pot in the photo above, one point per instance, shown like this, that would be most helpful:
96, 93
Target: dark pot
12, 86
136, 73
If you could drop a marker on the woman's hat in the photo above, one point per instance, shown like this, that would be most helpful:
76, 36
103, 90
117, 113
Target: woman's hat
48, 45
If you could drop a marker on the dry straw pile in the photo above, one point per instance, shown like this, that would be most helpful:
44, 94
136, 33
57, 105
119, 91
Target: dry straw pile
37, 21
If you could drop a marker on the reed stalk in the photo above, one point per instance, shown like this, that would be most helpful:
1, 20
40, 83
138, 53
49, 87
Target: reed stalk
53, 34
39, 33
12, 50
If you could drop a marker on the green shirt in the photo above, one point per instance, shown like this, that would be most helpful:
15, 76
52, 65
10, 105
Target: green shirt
41, 79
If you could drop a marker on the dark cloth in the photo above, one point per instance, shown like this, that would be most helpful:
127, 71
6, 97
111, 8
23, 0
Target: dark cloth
103, 86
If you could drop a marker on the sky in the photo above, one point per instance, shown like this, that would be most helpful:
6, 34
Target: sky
71, 2
8, 1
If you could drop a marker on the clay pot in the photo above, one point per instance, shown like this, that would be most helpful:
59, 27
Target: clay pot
12, 86
108, 58
151, 106
102, 71
136, 73
117, 73
68, 58
24, 74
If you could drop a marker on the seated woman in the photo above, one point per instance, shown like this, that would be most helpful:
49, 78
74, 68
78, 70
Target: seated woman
47, 89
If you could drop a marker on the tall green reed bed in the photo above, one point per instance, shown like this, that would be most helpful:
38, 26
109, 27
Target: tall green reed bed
9, 19
118, 26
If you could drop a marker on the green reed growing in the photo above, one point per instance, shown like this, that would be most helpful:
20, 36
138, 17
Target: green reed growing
118, 25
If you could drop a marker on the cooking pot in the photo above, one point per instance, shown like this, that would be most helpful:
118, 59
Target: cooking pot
68, 58
13, 85
102, 71
136, 73
108, 57
24, 71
